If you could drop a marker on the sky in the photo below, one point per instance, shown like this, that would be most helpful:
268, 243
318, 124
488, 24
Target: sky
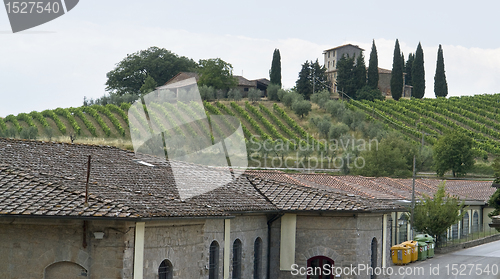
59, 63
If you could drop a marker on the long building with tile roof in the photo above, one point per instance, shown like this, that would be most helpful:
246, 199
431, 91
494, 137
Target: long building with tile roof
135, 225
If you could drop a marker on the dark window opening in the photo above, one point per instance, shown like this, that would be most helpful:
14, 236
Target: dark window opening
165, 271
257, 258
317, 264
213, 265
237, 259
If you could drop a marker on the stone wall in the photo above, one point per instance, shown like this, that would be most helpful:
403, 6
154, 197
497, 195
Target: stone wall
346, 239
34, 248
186, 244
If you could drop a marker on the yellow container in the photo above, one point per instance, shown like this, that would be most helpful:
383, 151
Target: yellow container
414, 249
401, 254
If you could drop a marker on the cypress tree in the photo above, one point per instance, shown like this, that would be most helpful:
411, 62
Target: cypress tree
408, 67
345, 76
418, 74
397, 73
359, 72
320, 78
373, 68
275, 72
304, 83
440, 85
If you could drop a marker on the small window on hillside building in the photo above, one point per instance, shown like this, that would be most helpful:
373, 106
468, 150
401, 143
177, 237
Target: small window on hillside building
237, 259
165, 271
257, 258
213, 266
245, 89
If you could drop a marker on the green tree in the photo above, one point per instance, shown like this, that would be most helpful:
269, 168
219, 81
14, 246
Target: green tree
359, 72
254, 95
130, 74
453, 152
392, 157
291, 97
321, 98
408, 69
148, 86
216, 73
312, 78
234, 94
324, 126
320, 80
345, 76
272, 92
435, 215
368, 93
397, 73
373, 68
301, 108
418, 74
440, 85
304, 82
335, 108
275, 72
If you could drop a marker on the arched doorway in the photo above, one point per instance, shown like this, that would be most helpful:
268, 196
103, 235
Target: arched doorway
317, 264
373, 261
65, 270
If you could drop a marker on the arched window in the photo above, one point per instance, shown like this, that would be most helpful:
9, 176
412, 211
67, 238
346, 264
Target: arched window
475, 222
213, 265
454, 231
465, 224
317, 263
374, 257
237, 259
165, 271
257, 258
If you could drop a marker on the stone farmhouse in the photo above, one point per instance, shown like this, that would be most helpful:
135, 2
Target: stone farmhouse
132, 223
333, 55
244, 85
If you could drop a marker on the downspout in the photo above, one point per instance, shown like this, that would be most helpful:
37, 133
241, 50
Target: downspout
269, 224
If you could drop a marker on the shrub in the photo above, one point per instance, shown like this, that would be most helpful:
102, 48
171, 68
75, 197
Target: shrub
254, 95
234, 94
370, 94
337, 130
207, 93
335, 108
272, 92
29, 133
321, 98
281, 94
301, 108
290, 98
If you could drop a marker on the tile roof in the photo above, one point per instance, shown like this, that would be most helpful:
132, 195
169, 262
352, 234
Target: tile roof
120, 186
342, 47
303, 198
384, 188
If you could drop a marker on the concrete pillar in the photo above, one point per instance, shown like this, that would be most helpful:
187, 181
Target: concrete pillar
139, 250
227, 247
287, 241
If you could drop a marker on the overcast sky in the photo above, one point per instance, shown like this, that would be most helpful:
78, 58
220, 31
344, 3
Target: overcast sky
60, 62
